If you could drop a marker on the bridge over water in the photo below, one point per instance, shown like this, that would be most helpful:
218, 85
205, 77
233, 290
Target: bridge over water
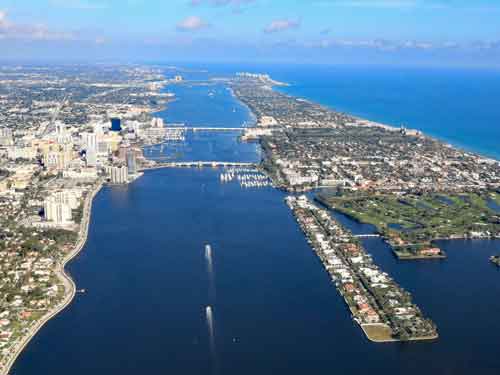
371, 235
201, 164
206, 128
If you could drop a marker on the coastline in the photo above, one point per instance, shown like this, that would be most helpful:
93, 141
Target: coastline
69, 284
64, 277
253, 120
356, 114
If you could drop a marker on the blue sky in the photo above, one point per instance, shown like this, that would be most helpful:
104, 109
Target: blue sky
336, 31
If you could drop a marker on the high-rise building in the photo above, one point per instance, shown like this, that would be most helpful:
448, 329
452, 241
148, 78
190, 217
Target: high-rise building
157, 122
131, 162
116, 124
89, 141
6, 138
91, 157
117, 175
123, 151
58, 207
98, 129
59, 213
58, 158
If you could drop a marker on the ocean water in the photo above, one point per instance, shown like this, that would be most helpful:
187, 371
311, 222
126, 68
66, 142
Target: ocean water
459, 106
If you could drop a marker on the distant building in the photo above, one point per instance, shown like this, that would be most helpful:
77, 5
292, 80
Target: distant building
98, 129
89, 141
57, 212
21, 152
117, 174
157, 122
91, 158
116, 124
103, 148
131, 162
81, 173
57, 159
58, 207
123, 151
6, 138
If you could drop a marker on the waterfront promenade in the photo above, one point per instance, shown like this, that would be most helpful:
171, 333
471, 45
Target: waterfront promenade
66, 281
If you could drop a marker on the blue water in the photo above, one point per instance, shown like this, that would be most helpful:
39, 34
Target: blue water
494, 205
202, 105
275, 310
204, 145
459, 106
205, 105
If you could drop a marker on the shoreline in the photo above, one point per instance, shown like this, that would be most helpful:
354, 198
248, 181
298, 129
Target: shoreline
317, 233
463, 237
431, 135
64, 277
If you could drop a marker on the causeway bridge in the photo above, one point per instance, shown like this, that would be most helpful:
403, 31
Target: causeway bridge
371, 235
206, 128
201, 164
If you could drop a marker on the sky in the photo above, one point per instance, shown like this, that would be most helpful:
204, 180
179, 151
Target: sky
436, 32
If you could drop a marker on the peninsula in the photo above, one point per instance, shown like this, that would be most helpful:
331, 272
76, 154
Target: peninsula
413, 188
382, 308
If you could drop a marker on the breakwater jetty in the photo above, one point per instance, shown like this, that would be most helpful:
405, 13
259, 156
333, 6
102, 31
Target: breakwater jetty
382, 308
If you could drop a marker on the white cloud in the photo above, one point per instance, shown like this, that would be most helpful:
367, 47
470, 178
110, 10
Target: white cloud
9, 30
3, 19
281, 25
192, 23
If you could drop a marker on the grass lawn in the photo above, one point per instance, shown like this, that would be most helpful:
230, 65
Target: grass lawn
378, 332
421, 218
